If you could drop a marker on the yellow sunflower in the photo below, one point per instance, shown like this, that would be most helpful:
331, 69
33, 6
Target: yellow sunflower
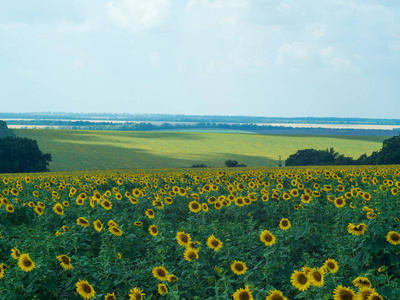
393, 237
362, 282
364, 293
25, 263
58, 209
183, 239
9, 208
344, 293
98, 225
39, 210
191, 254
339, 202
149, 213
85, 289
160, 273
115, 230
153, 230
106, 204
267, 238
110, 297
172, 278
136, 294
162, 289
356, 230
194, 206
284, 224
82, 222
243, 294
214, 243
375, 296
137, 223
300, 280
238, 267
276, 295
15, 253
331, 265
316, 277
65, 262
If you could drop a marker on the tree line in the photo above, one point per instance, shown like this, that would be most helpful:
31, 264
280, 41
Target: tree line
389, 154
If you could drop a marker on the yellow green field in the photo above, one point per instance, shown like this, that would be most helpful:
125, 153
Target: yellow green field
83, 150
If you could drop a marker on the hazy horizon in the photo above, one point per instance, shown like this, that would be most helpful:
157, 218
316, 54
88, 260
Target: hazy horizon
317, 58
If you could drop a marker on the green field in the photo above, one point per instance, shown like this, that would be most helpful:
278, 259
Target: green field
83, 150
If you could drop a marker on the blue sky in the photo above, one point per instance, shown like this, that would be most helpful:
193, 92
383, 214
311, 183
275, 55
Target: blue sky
287, 58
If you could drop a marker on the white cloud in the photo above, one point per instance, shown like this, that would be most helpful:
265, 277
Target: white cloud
153, 58
293, 51
139, 15
70, 28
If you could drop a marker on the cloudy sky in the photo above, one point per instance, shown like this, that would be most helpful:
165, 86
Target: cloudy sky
291, 58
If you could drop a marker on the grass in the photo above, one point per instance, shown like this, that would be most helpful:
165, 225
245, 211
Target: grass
82, 150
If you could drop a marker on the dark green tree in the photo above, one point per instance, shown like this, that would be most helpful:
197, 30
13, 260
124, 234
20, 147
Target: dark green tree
22, 155
312, 157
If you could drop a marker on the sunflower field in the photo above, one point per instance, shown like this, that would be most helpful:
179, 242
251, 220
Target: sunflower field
243, 234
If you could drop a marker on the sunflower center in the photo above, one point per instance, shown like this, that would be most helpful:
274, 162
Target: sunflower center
195, 206
244, 296
395, 237
65, 259
87, 289
161, 273
27, 263
317, 276
277, 297
302, 279
345, 295
215, 243
331, 265
268, 238
284, 223
184, 238
239, 267
154, 229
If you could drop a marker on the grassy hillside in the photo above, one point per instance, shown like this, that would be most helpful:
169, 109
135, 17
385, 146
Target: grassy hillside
81, 150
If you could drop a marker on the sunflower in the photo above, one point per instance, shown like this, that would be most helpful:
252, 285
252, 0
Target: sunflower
339, 202
112, 223
238, 267
82, 222
214, 243
106, 204
98, 225
306, 198
115, 230
160, 273
65, 203
275, 295
15, 253
119, 256
194, 206
79, 201
393, 237
375, 296
331, 265
362, 282
25, 263
191, 254
39, 210
136, 294
204, 207
10, 208
58, 209
149, 213
316, 277
364, 293
65, 262
284, 224
110, 297
267, 238
344, 293
300, 280
172, 278
2, 271
162, 289
137, 223
85, 289
357, 229
183, 239
243, 294
153, 230
65, 228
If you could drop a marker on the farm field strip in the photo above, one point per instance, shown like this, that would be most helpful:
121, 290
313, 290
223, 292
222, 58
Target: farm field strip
81, 150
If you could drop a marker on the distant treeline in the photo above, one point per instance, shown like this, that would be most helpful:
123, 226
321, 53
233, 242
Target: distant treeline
193, 118
388, 155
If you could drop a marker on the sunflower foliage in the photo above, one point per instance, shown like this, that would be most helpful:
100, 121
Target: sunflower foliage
266, 233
